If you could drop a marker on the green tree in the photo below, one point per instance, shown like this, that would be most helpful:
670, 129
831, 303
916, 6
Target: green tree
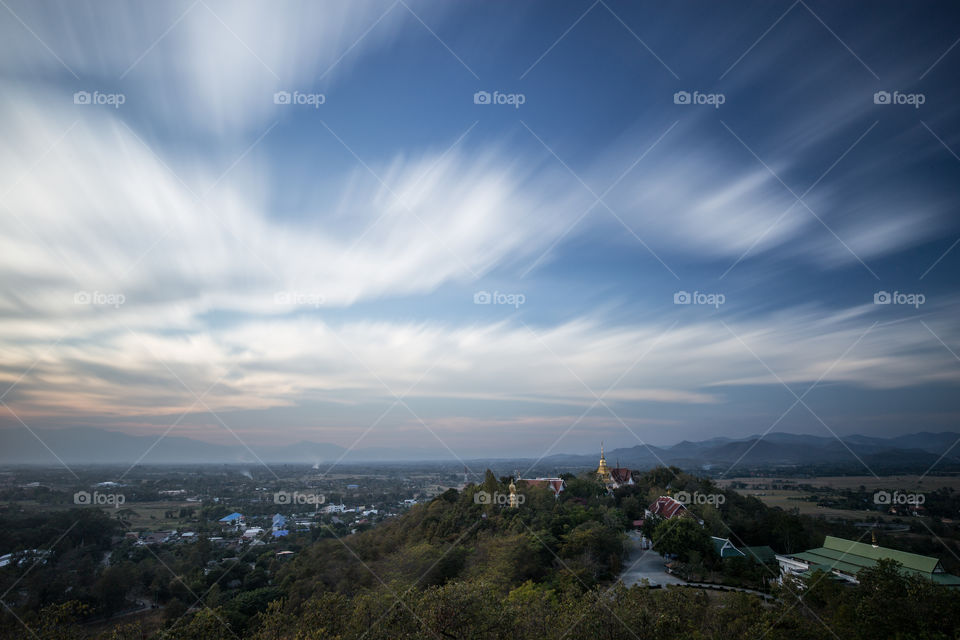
206, 624
59, 622
682, 537
893, 605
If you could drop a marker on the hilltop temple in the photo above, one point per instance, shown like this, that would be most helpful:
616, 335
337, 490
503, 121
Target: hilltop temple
615, 477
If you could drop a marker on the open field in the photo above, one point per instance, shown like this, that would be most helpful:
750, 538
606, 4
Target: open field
153, 515
139, 515
901, 483
786, 499
789, 495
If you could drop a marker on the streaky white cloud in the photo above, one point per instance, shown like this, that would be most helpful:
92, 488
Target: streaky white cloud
95, 210
696, 201
283, 361
700, 192
212, 65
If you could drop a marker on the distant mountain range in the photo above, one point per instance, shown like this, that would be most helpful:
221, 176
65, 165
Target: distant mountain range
89, 445
912, 451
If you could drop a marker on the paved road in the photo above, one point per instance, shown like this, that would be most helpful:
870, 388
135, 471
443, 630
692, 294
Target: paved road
647, 565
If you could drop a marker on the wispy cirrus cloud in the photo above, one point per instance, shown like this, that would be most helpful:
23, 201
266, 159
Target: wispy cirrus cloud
263, 252
282, 361
210, 65
101, 211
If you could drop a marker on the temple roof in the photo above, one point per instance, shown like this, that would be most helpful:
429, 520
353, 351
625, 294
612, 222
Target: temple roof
554, 484
667, 507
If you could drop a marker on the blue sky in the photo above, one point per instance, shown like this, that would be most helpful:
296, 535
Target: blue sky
188, 254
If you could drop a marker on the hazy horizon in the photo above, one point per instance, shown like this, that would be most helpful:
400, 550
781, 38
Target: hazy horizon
79, 447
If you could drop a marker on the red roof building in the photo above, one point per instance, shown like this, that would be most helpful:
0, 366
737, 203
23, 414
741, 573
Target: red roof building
554, 484
621, 476
666, 507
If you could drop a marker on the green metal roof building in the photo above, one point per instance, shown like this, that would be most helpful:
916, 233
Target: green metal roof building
725, 548
845, 558
761, 555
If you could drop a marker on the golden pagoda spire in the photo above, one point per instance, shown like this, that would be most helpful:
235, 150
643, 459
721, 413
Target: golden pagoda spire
602, 472
513, 495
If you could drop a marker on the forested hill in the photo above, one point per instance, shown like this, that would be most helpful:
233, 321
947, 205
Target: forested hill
457, 537
463, 566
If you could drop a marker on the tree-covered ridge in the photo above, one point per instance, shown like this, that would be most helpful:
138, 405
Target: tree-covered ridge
456, 536
461, 567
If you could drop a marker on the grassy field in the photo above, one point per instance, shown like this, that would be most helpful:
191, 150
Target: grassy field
140, 516
901, 483
152, 515
790, 498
